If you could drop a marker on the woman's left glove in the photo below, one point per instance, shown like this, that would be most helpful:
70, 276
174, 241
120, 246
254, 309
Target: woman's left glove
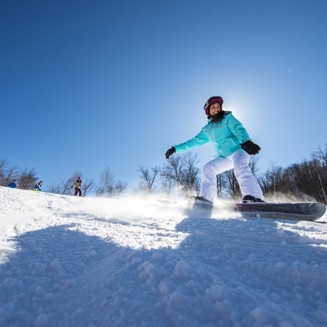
250, 147
170, 152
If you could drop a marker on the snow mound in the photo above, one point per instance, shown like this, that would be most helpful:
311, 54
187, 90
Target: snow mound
69, 261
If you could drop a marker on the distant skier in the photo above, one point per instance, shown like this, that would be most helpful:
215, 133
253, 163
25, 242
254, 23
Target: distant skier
77, 186
37, 187
12, 184
233, 146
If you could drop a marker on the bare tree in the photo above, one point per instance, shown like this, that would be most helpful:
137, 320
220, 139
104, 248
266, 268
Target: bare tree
27, 179
304, 181
68, 185
254, 166
119, 188
321, 155
7, 173
227, 184
3, 168
309, 179
55, 187
62, 186
108, 186
221, 185
231, 185
87, 186
12, 173
272, 180
148, 178
181, 170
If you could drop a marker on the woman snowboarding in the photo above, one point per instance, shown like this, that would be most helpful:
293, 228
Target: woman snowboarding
234, 148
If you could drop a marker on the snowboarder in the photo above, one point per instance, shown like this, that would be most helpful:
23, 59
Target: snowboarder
37, 187
234, 148
77, 186
12, 184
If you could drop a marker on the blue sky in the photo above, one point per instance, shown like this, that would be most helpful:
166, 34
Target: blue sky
86, 85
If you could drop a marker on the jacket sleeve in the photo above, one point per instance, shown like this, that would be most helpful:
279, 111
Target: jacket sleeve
194, 142
238, 130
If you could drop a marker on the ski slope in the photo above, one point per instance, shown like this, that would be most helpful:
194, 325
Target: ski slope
136, 261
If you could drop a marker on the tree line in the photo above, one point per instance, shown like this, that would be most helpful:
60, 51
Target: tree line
306, 181
27, 178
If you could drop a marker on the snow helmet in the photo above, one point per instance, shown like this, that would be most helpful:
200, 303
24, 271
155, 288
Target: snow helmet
212, 100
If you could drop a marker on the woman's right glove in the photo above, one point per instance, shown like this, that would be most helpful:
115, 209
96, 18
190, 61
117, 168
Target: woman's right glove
170, 152
250, 147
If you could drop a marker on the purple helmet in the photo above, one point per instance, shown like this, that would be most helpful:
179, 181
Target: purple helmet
212, 100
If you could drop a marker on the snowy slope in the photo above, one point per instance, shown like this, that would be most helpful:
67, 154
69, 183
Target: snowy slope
68, 261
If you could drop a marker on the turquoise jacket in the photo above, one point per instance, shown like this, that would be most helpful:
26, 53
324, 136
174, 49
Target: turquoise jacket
227, 135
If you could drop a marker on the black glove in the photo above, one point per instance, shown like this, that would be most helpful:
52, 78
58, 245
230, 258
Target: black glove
250, 147
170, 152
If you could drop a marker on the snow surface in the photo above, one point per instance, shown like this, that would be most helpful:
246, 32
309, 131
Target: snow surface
69, 261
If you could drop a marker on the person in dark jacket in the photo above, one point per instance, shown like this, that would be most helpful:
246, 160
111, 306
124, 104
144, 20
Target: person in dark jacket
12, 184
37, 187
77, 186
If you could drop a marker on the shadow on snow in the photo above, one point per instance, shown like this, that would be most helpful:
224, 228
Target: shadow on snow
231, 272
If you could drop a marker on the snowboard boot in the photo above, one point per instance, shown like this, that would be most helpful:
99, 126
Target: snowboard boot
251, 199
201, 199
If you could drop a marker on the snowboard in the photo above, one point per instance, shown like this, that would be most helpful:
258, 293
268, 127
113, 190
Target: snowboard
293, 210
287, 210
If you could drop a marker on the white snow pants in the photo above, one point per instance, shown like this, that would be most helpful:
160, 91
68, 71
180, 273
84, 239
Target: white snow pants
239, 161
